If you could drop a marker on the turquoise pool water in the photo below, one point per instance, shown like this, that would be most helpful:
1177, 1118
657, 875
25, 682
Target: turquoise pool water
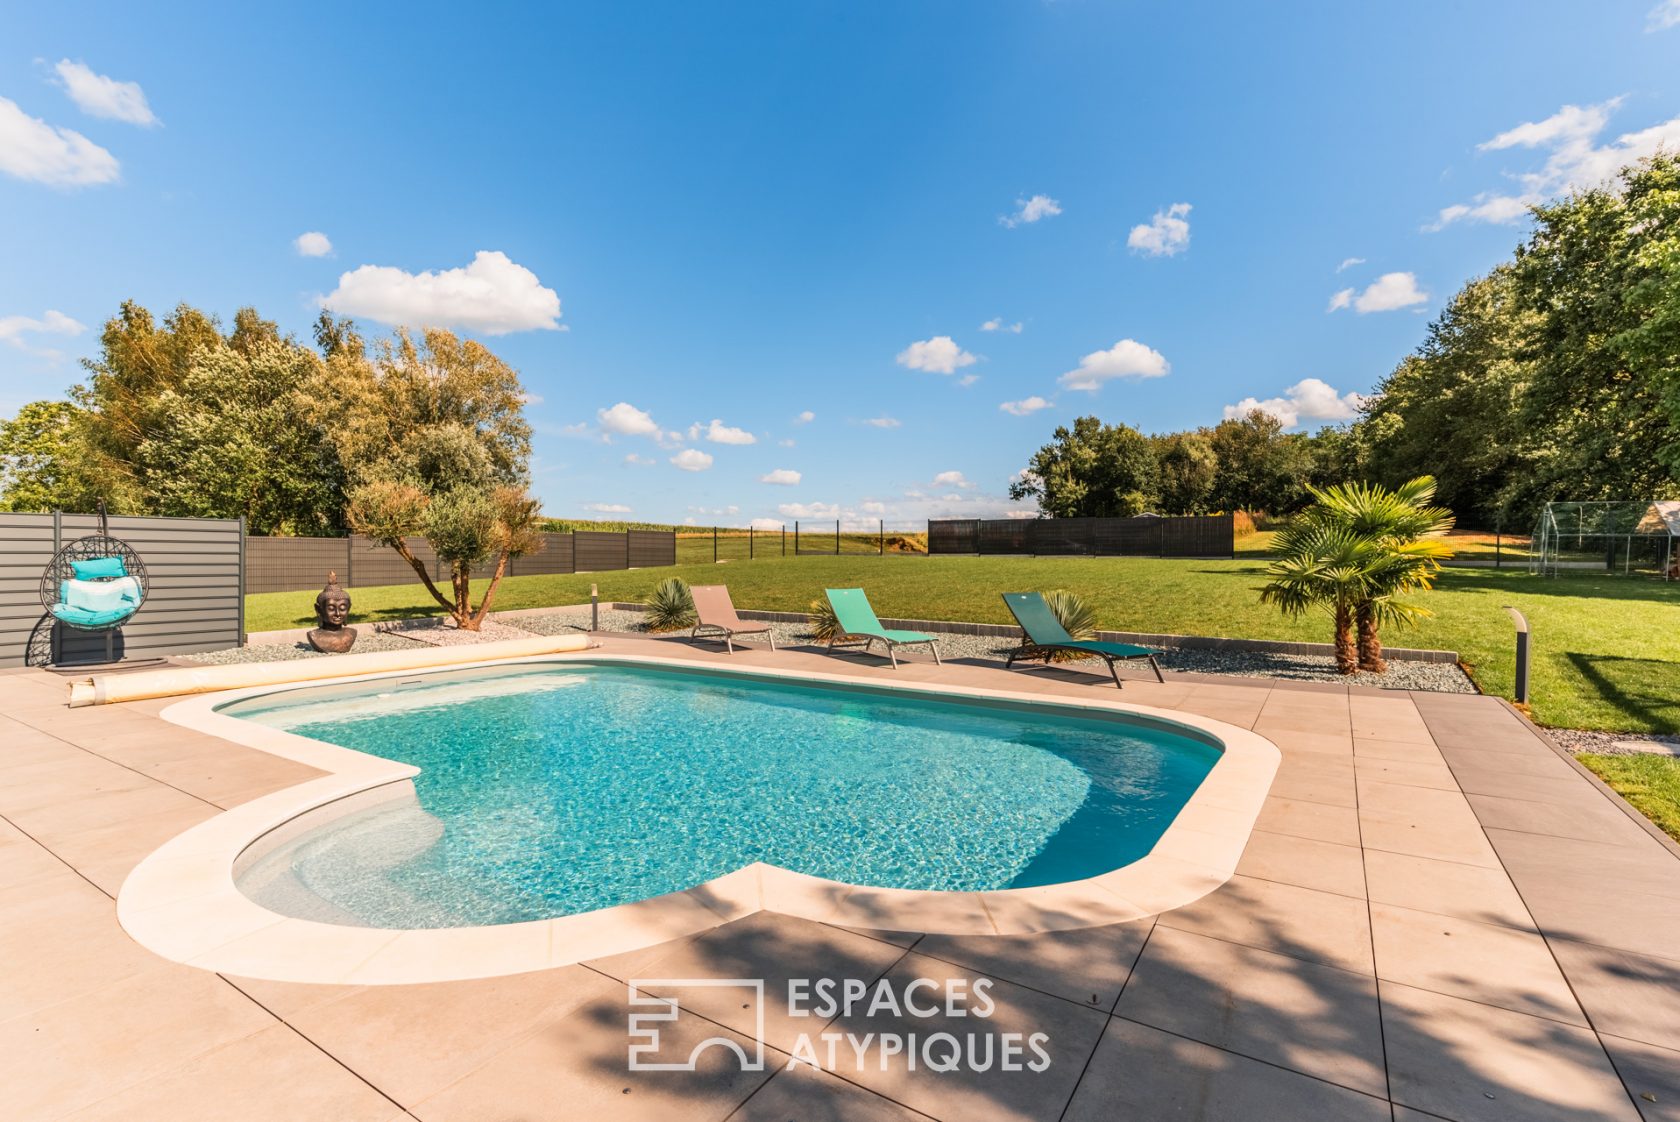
550, 790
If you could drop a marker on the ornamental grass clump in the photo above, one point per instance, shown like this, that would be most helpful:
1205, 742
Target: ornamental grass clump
671, 607
1077, 618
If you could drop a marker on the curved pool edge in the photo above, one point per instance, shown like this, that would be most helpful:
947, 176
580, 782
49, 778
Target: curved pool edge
182, 903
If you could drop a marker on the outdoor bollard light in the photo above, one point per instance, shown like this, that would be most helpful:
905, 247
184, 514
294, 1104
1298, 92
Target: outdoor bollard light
1522, 654
594, 607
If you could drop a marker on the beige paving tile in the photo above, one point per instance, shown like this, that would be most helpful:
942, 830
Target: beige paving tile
1405, 751
1319, 821
1142, 1073
1591, 818
412, 1041
1542, 763
1306, 862
577, 1067
1423, 823
76, 1052
802, 1095
776, 950
1465, 1060
1407, 773
1310, 1018
60, 939
1316, 778
1651, 1074
1481, 962
1631, 995
1566, 789
1087, 966
270, 1076
1447, 887
1581, 909
1070, 1033
1316, 926
1641, 866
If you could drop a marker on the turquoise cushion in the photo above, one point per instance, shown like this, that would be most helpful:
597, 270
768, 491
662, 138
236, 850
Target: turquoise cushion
99, 568
84, 617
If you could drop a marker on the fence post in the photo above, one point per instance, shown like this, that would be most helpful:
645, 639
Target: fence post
836, 537
350, 561
795, 538
784, 539
749, 543
241, 624
714, 545
882, 524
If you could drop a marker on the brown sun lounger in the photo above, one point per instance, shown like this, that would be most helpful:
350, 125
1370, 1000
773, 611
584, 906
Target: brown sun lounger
716, 615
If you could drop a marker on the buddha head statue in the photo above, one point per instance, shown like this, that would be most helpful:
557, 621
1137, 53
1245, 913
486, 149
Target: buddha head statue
332, 605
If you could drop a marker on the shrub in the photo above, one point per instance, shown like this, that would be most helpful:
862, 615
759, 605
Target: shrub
671, 607
824, 624
1242, 523
1076, 618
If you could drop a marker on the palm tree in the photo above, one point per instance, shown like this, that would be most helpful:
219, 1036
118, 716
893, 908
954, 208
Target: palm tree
1404, 525
1323, 565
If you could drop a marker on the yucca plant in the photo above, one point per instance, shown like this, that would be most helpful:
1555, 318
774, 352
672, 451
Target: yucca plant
671, 607
824, 624
1077, 618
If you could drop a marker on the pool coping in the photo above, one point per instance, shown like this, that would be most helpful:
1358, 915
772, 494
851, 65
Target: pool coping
182, 902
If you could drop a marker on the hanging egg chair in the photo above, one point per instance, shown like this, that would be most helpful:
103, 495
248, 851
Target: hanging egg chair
95, 583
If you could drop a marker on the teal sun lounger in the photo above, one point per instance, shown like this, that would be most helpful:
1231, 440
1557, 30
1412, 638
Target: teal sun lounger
1043, 633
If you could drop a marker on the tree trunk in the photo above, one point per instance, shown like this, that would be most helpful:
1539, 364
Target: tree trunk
1347, 660
1370, 643
463, 598
490, 590
419, 567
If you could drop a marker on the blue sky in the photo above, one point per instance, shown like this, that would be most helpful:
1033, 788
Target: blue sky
667, 215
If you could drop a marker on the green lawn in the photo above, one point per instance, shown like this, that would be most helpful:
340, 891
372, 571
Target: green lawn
1651, 783
1606, 648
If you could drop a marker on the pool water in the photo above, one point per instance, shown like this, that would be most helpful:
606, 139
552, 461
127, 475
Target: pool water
555, 789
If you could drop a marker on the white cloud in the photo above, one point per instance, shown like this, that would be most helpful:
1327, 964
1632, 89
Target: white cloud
493, 295
99, 96
1165, 234
808, 510
14, 328
766, 524
1026, 407
787, 442
1126, 359
1348, 263
1664, 16
1031, 210
607, 508
805, 418
581, 429
1310, 399
783, 477
1574, 160
883, 422
313, 243
996, 324
627, 420
32, 150
968, 380
719, 433
938, 355
1387, 293
692, 459
951, 479
638, 459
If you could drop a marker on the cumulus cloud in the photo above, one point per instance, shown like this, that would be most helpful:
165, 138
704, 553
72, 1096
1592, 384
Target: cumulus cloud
1348, 263
493, 295
627, 420
1575, 160
1126, 359
938, 355
312, 243
639, 459
996, 324
1310, 399
766, 524
34, 151
1031, 210
808, 510
786, 442
1165, 234
1387, 293
607, 508
692, 459
14, 328
951, 479
719, 433
1026, 407
805, 418
968, 380
883, 422
782, 477
99, 96
1664, 16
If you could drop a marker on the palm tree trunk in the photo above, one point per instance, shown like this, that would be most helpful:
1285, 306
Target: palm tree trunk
1370, 643
1346, 660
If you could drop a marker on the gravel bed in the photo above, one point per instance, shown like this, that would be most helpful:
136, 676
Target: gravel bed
1615, 743
1437, 677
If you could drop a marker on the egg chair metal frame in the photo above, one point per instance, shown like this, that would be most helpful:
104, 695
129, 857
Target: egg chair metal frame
92, 547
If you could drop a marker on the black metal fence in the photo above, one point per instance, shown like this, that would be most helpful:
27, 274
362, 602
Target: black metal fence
1201, 535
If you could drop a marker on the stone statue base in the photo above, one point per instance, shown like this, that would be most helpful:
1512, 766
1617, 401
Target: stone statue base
332, 640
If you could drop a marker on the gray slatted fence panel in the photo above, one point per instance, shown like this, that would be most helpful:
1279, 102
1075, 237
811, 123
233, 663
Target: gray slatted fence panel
194, 602
291, 564
598, 551
648, 549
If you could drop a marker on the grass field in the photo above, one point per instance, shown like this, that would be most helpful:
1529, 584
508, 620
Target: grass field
1651, 783
1605, 648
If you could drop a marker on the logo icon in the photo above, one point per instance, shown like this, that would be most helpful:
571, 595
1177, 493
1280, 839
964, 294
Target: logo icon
644, 1029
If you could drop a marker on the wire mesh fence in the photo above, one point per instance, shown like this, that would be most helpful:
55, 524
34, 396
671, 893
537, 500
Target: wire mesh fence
1628, 537
800, 538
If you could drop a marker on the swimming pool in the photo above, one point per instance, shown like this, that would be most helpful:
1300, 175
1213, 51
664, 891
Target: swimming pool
560, 788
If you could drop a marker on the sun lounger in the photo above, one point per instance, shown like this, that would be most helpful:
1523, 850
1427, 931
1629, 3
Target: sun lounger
857, 622
1043, 633
716, 614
